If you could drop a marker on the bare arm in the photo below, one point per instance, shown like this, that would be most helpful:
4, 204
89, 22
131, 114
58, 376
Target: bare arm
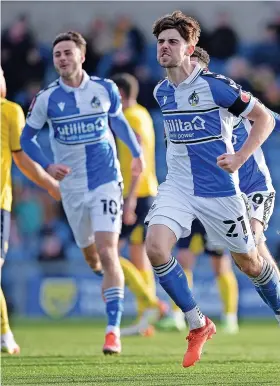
263, 126
36, 173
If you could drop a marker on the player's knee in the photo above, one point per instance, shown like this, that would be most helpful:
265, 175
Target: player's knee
109, 257
1, 262
155, 251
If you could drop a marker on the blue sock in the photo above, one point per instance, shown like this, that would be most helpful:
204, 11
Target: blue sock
269, 285
174, 281
259, 291
114, 307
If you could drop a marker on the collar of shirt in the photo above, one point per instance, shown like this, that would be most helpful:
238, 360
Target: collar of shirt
67, 88
190, 79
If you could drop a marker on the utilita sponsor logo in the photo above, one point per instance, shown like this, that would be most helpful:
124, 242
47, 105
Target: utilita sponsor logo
80, 127
177, 125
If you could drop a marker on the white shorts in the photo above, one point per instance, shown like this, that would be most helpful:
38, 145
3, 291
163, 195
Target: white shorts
225, 219
261, 208
98, 210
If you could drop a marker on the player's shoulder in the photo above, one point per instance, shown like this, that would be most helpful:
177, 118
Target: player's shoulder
46, 91
161, 84
137, 109
214, 79
9, 106
136, 113
161, 88
107, 83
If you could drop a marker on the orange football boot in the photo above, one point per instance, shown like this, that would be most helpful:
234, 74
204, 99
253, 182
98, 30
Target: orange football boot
197, 339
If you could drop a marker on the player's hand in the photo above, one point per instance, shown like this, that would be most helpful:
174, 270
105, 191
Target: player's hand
230, 162
54, 191
129, 206
137, 166
58, 171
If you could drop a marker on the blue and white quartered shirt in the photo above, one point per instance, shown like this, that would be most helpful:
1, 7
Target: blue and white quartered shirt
199, 118
80, 136
254, 175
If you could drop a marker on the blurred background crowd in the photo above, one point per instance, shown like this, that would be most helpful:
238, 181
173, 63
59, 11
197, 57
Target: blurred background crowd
39, 230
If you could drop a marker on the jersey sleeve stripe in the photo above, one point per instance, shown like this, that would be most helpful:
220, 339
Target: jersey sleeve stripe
116, 113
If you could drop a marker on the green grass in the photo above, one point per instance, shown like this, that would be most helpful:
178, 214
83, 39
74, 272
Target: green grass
70, 354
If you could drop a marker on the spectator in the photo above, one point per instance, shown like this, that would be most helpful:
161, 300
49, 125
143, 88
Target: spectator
28, 211
223, 40
128, 47
275, 24
267, 51
20, 56
239, 70
99, 41
51, 248
262, 78
26, 95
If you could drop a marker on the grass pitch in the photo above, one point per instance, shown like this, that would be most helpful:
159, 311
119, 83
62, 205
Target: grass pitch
69, 353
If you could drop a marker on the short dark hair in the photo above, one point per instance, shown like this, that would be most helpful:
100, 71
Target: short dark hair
187, 27
72, 36
202, 56
128, 83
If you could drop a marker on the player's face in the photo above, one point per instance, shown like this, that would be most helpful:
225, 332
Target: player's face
171, 49
67, 58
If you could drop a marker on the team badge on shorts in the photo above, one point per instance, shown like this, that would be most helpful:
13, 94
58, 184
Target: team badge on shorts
95, 102
257, 200
193, 99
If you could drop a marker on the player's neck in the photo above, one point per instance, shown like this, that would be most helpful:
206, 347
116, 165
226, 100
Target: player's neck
75, 81
178, 74
129, 103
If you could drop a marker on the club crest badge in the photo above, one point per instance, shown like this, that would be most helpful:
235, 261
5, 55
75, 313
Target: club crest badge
193, 99
95, 102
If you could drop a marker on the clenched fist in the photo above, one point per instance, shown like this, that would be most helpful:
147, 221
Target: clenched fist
230, 162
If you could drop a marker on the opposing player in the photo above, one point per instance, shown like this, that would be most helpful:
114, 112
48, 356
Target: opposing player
202, 180
78, 109
12, 122
138, 195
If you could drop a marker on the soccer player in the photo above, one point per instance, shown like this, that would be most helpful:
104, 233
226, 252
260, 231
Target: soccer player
12, 122
202, 181
254, 177
78, 109
138, 195
257, 185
